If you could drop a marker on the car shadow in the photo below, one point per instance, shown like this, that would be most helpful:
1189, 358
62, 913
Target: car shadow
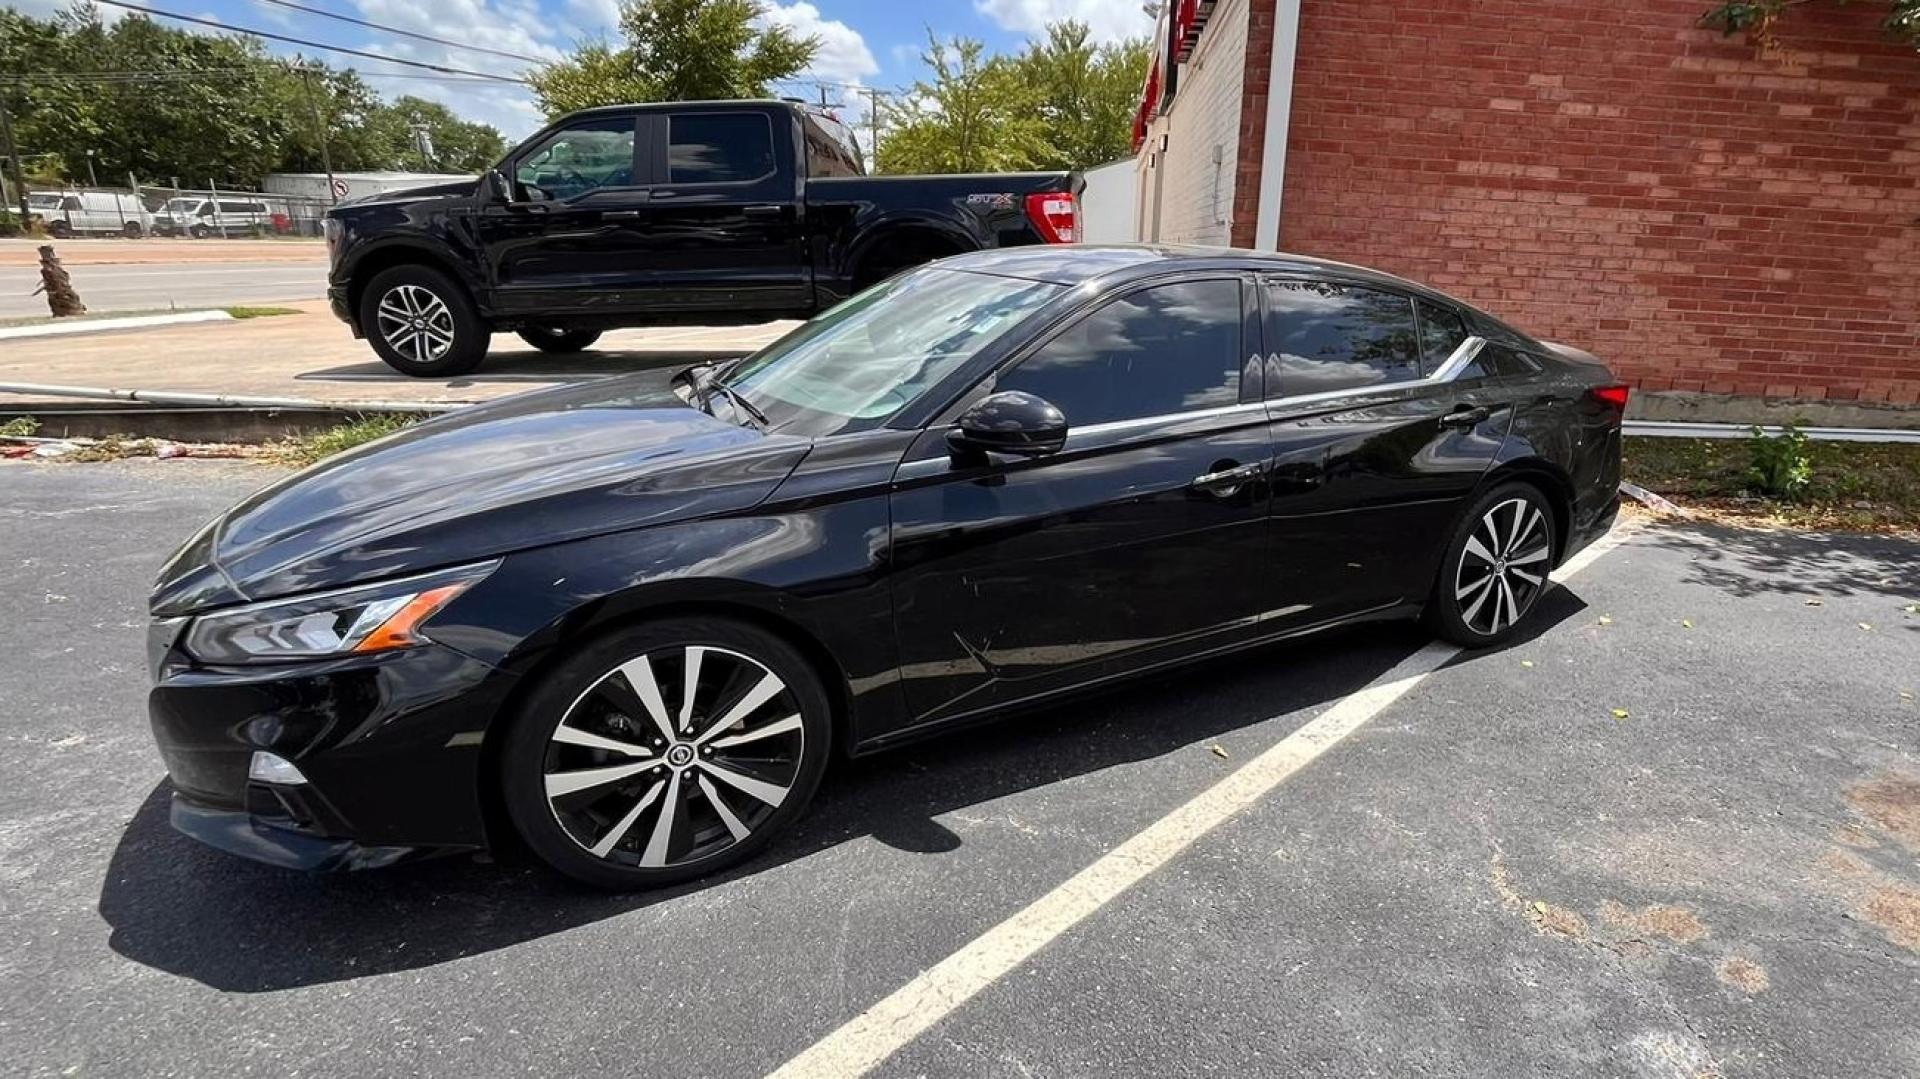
505, 366
238, 926
1745, 562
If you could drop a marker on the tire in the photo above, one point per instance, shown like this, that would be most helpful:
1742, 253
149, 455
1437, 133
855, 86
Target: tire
60, 230
1492, 575
199, 232
559, 340
131, 230
422, 323
731, 793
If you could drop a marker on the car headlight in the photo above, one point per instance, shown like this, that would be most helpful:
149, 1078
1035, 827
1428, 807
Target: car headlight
374, 618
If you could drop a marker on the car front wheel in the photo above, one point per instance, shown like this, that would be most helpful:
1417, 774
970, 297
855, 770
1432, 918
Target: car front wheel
1496, 567
421, 323
558, 339
665, 751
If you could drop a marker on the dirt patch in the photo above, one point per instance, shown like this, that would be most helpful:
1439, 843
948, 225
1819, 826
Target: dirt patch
1892, 803
1555, 920
1743, 974
1896, 911
1853, 834
1677, 924
1841, 864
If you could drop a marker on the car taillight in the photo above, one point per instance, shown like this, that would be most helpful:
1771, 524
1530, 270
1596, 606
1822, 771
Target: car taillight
1056, 215
1616, 396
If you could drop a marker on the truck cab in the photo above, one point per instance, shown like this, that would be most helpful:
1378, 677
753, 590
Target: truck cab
722, 212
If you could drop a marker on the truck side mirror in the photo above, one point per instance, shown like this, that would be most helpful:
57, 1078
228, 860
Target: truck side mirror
496, 187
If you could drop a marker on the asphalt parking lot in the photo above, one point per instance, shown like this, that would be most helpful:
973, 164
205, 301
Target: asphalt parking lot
1674, 833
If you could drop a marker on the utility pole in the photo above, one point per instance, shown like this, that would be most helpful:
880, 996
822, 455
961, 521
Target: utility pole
873, 125
13, 158
320, 133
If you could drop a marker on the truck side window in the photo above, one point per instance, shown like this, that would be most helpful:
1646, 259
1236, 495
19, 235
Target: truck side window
578, 159
719, 148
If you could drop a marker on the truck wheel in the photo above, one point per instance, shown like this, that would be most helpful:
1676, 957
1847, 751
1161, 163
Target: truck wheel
558, 339
60, 230
422, 323
131, 230
199, 232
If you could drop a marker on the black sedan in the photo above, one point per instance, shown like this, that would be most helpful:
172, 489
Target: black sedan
623, 625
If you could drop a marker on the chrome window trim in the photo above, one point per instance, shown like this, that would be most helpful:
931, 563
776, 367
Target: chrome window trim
1445, 373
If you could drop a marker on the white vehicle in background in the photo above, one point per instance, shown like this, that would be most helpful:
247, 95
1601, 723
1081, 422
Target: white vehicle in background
200, 216
96, 213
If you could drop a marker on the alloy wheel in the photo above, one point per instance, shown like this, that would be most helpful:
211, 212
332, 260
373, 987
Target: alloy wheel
416, 323
674, 756
1503, 568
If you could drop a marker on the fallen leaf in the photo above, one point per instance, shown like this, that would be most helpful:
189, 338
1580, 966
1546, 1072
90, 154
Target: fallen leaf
1527, 663
1606, 620
1912, 608
1686, 623
1620, 713
1905, 696
1816, 603
1218, 751
1868, 626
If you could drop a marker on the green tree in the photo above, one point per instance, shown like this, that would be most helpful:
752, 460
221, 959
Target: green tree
458, 145
676, 50
976, 114
1087, 94
1762, 17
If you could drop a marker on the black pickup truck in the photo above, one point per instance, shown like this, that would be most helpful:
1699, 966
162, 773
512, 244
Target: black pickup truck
703, 213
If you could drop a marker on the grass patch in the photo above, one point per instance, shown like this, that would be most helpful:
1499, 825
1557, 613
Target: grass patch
261, 312
306, 449
1854, 486
92, 316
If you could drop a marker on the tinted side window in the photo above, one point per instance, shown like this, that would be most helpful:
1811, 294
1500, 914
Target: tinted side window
1334, 337
71, 202
1441, 332
578, 159
825, 155
1161, 350
719, 149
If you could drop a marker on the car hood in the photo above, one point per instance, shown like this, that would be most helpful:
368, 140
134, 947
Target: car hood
524, 472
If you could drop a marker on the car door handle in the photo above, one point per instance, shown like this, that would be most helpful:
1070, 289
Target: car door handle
621, 215
1466, 416
1226, 480
765, 210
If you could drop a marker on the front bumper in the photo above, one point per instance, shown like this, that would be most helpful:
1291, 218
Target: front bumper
390, 746
337, 301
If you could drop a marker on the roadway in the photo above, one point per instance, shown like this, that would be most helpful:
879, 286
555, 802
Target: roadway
150, 286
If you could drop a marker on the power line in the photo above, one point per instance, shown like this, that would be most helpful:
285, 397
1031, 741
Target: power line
311, 44
197, 74
403, 33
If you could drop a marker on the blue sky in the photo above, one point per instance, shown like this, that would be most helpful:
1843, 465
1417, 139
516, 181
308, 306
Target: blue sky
863, 42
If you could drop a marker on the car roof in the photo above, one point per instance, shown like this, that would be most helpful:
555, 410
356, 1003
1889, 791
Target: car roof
1073, 264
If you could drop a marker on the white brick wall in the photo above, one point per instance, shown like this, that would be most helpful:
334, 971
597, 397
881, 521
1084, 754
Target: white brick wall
1195, 175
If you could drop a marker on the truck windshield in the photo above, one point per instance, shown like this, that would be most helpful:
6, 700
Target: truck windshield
859, 364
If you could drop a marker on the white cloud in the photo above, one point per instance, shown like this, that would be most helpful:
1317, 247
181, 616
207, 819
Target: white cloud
596, 16
1110, 20
515, 26
843, 55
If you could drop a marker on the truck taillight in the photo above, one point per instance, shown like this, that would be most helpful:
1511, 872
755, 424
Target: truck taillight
1056, 215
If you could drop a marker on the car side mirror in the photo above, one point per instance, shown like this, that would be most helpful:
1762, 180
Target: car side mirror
1009, 422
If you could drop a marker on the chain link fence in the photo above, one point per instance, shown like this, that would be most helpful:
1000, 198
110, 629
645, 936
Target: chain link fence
199, 212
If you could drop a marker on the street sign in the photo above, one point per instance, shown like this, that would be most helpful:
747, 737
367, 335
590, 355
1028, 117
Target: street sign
339, 189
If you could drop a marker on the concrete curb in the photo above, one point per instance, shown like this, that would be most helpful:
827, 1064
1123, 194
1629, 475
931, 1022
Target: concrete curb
64, 327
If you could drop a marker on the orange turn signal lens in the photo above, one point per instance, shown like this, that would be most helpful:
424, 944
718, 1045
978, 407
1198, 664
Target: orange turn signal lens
401, 629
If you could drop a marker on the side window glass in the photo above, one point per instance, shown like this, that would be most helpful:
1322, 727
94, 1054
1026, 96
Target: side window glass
578, 159
1505, 362
71, 202
1161, 350
1441, 332
719, 148
825, 155
1331, 336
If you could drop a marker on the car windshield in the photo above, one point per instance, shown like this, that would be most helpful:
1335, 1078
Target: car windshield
859, 364
43, 200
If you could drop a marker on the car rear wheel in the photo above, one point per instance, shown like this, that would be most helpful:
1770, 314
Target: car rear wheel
60, 230
199, 232
131, 230
1496, 567
665, 752
421, 323
558, 339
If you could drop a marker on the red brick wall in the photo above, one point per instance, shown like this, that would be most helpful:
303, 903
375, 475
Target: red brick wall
1253, 120
1702, 213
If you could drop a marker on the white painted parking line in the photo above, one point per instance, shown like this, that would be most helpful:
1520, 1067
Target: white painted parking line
869, 1038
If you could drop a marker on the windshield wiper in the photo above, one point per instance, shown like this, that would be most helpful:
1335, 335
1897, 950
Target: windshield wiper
739, 402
